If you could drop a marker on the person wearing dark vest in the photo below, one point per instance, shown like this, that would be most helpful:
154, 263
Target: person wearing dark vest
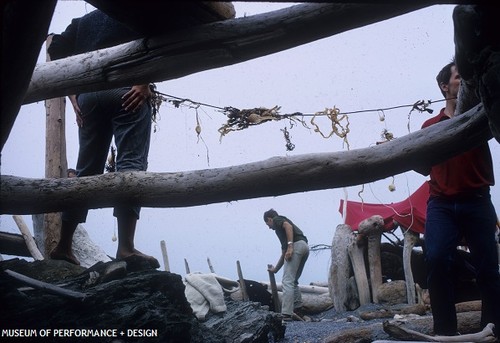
294, 254
460, 210
124, 113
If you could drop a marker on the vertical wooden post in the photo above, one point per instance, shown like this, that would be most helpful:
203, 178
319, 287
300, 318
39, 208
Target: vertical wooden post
210, 265
165, 256
274, 290
56, 164
187, 266
28, 238
243, 287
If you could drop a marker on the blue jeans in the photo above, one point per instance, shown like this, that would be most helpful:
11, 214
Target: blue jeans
103, 118
448, 222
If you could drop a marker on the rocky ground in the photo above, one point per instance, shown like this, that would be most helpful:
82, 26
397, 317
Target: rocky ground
328, 325
112, 295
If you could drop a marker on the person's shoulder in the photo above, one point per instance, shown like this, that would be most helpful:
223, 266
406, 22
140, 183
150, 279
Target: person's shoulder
433, 120
279, 219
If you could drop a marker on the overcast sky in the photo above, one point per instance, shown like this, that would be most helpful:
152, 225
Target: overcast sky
387, 64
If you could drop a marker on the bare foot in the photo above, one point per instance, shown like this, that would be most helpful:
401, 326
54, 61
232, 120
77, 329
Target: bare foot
138, 257
60, 255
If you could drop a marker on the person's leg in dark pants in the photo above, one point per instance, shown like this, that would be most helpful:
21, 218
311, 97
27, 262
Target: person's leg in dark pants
441, 239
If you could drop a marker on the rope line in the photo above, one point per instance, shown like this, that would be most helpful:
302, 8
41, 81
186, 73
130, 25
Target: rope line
420, 105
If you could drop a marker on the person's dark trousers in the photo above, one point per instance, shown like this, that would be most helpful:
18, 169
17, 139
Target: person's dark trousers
447, 223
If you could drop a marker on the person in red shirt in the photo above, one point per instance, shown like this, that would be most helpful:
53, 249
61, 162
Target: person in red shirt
460, 208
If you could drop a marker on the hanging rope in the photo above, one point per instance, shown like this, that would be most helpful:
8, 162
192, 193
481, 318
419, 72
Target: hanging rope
242, 119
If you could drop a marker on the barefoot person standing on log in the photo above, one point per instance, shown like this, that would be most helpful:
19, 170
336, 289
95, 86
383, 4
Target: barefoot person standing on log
459, 207
294, 254
123, 113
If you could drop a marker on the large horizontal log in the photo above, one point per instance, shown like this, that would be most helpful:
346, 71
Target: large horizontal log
180, 53
166, 16
442, 2
265, 178
13, 244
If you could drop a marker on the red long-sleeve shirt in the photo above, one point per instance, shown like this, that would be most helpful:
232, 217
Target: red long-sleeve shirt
468, 173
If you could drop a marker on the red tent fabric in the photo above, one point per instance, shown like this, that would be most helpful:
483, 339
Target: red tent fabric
409, 213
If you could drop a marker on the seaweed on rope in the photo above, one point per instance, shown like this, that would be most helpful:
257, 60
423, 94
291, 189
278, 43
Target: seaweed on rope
240, 119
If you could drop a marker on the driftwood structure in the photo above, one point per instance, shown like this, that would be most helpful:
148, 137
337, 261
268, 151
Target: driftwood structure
162, 55
200, 45
229, 43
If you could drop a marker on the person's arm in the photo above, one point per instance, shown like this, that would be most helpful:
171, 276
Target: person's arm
76, 108
136, 97
279, 264
63, 45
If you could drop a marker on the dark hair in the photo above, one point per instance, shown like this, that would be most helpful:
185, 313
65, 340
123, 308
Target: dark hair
270, 214
71, 170
444, 75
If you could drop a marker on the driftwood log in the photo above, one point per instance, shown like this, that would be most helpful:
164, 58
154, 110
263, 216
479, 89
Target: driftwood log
310, 289
488, 84
410, 239
28, 238
47, 287
266, 178
398, 331
468, 323
340, 268
477, 53
390, 312
296, 36
357, 258
372, 228
180, 53
13, 244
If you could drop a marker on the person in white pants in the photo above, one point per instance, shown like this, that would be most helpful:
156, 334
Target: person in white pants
294, 254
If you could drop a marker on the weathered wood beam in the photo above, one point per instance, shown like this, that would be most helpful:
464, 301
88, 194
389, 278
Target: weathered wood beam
396, 330
357, 258
24, 28
477, 54
410, 240
204, 47
442, 2
153, 17
372, 229
13, 244
45, 286
265, 178
340, 268
28, 238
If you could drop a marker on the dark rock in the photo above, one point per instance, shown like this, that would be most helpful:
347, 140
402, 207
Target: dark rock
146, 306
246, 322
257, 292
